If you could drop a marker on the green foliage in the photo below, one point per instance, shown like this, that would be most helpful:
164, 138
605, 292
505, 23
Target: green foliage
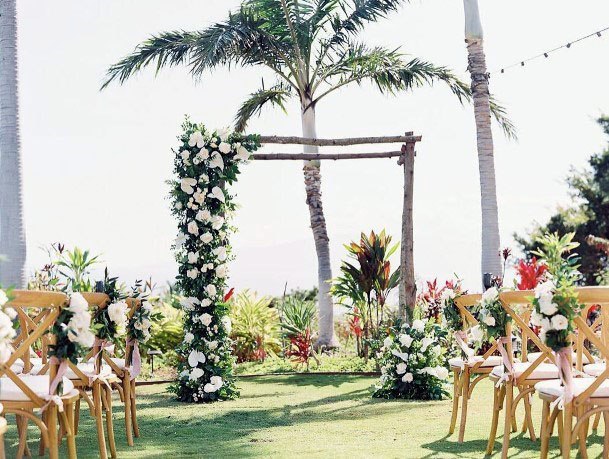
256, 327
340, 363
297, 316
365, 283
167, 331
492, 316
587, 215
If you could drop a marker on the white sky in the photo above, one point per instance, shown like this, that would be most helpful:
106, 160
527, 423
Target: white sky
95, 163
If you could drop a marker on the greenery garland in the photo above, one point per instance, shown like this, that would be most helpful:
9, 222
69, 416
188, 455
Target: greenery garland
492, 316
72, 330
204, 163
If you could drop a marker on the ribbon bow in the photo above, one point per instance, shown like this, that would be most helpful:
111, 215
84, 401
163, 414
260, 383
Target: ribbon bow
566, 377
56, 399
101, 377
508, 366
136, 359
461, 339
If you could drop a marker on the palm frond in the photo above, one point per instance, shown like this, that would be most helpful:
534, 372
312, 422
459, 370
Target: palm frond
499, 112
276, 96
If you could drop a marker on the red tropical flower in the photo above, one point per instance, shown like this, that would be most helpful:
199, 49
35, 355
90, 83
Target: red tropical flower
229, 295
530, 272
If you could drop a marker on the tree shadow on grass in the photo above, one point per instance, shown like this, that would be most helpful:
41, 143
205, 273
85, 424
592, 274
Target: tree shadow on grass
308, 379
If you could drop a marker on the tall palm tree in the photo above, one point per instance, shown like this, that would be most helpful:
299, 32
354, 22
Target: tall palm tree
491, 260
12, 235
312, 47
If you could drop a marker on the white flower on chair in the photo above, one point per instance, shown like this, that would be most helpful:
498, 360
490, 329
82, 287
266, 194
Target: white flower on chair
559, 322
118, 314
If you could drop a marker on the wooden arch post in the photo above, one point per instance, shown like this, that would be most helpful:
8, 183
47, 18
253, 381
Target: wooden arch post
407, 288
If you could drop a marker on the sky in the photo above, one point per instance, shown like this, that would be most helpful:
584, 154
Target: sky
95, 163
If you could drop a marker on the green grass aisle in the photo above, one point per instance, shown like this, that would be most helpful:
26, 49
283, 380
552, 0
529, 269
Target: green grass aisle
301, 416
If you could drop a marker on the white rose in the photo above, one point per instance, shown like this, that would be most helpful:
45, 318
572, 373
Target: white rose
3, 298
401, 368
441, 372
212, 345
211, 290
489, 320
477, 333
407, 378
418, 325
216, 222
227, 324
199, 197
203, 154
209, 388
185, 155
192, 273
447, 295
205, 319
78, 303
224, 147
222, 271
188, 338
546, 324
192, 257
206, 302
193, 228
406, 340
546, 306
544, 288
536, 318
387, 342
220, 252
490, 295
203, 215
118, 313
560, 322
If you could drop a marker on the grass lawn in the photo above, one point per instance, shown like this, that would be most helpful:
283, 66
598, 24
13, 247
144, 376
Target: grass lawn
301, 416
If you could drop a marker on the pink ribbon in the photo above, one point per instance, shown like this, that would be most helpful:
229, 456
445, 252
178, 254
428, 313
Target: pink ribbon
508, 366
566, 376
461, 338
53, 397
136, 359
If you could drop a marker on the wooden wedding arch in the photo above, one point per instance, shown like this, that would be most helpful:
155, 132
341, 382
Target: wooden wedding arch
405, 155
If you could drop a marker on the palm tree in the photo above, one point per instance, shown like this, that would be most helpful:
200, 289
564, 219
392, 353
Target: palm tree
12, 236
311, 47
491, 259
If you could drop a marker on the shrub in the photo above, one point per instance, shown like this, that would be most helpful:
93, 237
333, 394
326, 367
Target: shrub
256, 328
412, 362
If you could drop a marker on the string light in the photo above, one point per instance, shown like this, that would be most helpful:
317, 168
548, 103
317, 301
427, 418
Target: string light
546, 54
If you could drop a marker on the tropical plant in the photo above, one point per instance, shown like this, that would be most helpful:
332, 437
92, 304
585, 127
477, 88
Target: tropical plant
311, 46
12, 235
530, 273
491, 263
588, 214
297, 316
412, 362
366, 283
256, 327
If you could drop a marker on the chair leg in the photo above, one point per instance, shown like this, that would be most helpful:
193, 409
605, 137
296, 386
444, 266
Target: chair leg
136, 427
70, 429
606, 436
52, 431
582, 434
126, 382
597, 420
21, 422
99, 422
545, 430
498, 396
76, 415
465, 382
509, 418
109, 421
455, 412
528, 422
2, 451
567, 426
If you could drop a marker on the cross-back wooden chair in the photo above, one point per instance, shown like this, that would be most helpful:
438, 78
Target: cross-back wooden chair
3, 429
590, 395
22, 394
467, 366
524, 374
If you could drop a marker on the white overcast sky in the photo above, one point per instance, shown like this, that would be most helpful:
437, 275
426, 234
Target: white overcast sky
95, 162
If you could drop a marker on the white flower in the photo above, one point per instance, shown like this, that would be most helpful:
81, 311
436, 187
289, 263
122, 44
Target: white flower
196, 139
189, 303
211, 290
431, 371
425, 342
406, 340
387, 342
441, 372
185, 155
206, 238
203, 215
544, 288
195, 357
212, 345
228, 325
192, 257
477, 333
209, 388
180, 240
418, 325
224, 147
216, 381
193, 228
400, 355
199, 196
490, 295
216, 192
489, 320
401, 368
196, 373
192, 273
78, 303
205, 303
223, 133
203, 154
187, 185
546, 306
3, 298
220, 252
242, 154
447, 295
546, 324
407, 378
222, 271
536, 318
118, 313
216, 161
205, 319
560, 322
188, 338
216, 222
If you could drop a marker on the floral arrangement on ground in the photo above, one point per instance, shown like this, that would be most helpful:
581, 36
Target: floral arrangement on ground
204, 163
412, 362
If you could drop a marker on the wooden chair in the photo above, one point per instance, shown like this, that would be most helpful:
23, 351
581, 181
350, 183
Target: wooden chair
590, 394
3, 429
525, 374
21, 395
464, 368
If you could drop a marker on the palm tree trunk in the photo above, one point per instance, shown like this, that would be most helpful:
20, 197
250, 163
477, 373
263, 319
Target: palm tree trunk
12, 236
312, 177
491, 261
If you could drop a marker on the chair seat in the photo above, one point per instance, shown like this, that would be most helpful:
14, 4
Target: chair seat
542, 371
9, 391
118, 362
554, 388
594, 369
532, 356
491, 361
86, 368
